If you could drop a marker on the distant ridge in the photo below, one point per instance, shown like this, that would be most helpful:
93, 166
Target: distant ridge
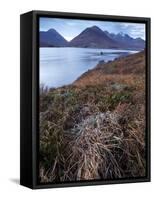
125, 41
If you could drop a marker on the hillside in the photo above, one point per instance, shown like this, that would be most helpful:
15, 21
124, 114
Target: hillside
93, 37
129, 65
52, 38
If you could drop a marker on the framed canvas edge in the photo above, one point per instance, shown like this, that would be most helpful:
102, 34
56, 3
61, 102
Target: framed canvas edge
35, 92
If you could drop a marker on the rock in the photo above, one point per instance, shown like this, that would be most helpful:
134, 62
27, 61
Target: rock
101, 62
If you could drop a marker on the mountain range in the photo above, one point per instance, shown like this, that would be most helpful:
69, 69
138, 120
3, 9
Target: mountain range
91, 37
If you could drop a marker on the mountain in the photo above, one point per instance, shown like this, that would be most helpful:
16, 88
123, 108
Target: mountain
125, 41
52, 38
133, 64
93, 37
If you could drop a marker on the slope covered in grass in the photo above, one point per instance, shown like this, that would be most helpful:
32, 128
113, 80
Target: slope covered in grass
130, 66
95, 128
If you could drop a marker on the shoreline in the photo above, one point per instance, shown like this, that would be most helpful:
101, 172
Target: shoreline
130, 49
101, 62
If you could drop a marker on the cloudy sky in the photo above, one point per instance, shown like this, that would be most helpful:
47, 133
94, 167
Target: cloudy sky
69, 28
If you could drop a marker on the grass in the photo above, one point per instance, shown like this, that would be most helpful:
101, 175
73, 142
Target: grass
93, 129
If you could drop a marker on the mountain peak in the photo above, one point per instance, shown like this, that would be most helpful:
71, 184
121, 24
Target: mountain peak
126, 35
52, 30
95, 28
93, 37
107, 32
121, 34
52, 38
139, 39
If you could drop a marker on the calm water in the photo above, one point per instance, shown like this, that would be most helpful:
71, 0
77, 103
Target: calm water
62, 66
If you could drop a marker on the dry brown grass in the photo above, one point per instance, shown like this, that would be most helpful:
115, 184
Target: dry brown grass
123, 70
99, 78
93, 129
102, 146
